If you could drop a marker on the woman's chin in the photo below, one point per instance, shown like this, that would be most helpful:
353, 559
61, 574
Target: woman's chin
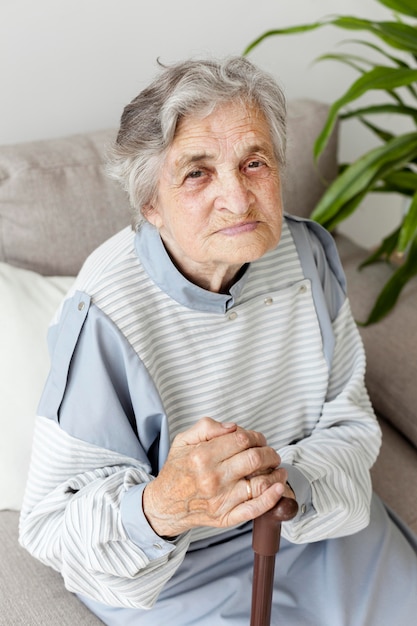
247, 249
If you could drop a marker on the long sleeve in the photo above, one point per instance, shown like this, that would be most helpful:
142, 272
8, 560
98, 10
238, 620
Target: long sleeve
84, 494
336, 458
72, 521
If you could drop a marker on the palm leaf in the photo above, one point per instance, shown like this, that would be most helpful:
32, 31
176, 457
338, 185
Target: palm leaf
390, 167
395, 34
398, 35
283, 31
402, 181
382, 134
409, 227
396, 60
347, 59
392, 289
384, 53
407, 7
384, 251
379, 78
376, 109
360, 177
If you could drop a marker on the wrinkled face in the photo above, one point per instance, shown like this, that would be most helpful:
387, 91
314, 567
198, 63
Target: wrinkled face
218, 202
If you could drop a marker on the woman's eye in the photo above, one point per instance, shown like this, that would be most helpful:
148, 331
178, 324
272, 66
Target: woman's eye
255, 164
195, 174
257, 167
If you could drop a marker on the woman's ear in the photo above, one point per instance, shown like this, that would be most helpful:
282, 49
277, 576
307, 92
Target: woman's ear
152, 215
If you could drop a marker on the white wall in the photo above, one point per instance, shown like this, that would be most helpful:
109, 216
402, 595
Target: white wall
69, 66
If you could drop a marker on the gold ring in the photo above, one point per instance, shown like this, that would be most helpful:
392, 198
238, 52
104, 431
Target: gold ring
249, 488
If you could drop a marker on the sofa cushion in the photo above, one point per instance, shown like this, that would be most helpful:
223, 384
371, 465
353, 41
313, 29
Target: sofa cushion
391, 344
28, 302
31, 593
57, 204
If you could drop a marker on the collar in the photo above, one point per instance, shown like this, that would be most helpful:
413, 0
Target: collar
158, 265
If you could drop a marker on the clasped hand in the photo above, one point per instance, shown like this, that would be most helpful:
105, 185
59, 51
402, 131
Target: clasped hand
204, 479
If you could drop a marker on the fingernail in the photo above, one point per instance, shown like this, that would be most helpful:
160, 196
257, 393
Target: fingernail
228, 425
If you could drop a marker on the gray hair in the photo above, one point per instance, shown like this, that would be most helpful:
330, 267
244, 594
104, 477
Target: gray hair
194, 87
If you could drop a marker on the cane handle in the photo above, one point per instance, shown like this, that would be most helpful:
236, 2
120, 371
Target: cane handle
266, 528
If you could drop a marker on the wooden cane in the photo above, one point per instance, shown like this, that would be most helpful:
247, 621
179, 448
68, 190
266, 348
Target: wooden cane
265, 543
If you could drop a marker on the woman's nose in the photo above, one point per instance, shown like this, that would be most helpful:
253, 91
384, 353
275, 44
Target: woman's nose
234, 194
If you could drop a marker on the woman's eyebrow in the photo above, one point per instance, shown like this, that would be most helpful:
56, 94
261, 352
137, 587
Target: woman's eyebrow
188, 159
192, 157
260, 147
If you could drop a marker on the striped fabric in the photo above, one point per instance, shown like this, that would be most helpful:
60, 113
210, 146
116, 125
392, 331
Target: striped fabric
82, 536
204, 363
260, 363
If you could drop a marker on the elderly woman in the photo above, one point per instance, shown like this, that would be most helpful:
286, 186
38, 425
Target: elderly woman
205, 364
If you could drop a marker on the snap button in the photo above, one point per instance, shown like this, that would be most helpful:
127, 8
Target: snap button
268, 301
302, 289
232, 315
303, 509
81, 305
158, 546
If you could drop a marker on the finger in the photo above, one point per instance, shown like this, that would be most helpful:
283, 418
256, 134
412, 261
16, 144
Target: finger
254, 487
288, 493
232, 444
225, 440
248, 489
204, 430
250, 462
250, 509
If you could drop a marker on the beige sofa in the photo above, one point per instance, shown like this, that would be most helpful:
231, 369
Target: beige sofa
56, 205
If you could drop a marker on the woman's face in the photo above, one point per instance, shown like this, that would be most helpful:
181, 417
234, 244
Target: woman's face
218, 202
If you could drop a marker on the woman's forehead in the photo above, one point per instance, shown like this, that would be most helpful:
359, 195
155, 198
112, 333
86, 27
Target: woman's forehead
228, 126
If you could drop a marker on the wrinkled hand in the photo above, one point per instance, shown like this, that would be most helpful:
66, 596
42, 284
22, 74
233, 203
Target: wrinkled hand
203, 481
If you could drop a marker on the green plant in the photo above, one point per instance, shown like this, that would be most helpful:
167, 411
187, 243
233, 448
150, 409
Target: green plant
391, 167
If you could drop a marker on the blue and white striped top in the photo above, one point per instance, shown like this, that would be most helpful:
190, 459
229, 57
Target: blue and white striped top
138, 354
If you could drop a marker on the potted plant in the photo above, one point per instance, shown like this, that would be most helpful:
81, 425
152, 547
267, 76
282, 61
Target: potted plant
391, 167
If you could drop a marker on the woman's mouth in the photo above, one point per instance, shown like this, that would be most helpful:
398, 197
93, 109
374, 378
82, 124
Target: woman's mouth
238, 229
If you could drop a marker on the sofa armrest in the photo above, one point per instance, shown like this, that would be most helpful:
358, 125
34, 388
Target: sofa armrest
390, 345
392, 474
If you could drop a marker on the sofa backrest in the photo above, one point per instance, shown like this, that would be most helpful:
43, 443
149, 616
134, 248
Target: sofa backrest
57, 204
